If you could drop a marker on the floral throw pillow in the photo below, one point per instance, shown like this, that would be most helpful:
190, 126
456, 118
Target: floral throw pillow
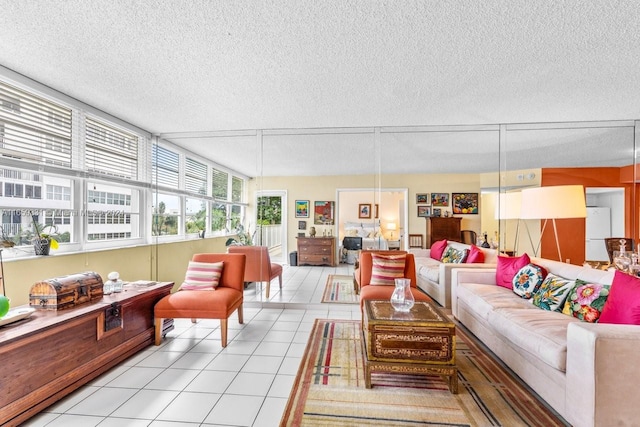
552, 293
586, 301
454, 256
528, 279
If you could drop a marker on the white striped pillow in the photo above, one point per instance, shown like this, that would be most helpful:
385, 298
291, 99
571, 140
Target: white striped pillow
202, 276
386, 268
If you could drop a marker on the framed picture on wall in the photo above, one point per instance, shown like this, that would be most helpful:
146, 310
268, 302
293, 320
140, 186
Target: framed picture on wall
424, 211
423, 199
440, 199
364, 210
437, 212
375, 210
465, 203
302, 209
323, 213
302, 225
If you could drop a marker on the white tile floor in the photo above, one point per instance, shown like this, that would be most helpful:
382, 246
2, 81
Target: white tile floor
190, 380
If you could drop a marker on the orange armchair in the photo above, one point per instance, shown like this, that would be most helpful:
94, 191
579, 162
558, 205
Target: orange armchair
198, 304
383, 292
258, 267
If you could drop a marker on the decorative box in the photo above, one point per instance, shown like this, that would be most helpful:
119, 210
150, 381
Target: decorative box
67, 291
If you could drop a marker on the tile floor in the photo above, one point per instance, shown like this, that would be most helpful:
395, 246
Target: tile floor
190, 380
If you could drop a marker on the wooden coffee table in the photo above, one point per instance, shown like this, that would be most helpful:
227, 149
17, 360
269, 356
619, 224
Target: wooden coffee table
422, 341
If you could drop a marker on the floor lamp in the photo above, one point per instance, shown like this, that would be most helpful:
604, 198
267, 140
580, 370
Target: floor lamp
551, 203
509, 208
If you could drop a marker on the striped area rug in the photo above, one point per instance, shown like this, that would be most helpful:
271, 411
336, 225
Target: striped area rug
339, 289
329, 389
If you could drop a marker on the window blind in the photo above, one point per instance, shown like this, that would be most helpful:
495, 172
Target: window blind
220, 184
237, 188
165, 165
110, 151
195, 177
33, 128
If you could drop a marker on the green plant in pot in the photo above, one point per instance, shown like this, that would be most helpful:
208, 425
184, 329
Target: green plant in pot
44, 239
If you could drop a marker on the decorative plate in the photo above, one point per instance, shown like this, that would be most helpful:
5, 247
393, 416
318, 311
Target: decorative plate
16, 314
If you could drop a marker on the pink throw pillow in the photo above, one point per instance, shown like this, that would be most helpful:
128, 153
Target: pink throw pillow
623, 303
475, 255
387, 268
437, 249
508, 267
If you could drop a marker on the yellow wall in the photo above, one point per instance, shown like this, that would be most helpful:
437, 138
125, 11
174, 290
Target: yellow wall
137, 263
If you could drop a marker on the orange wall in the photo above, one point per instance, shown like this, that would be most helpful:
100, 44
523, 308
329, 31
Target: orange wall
571, 232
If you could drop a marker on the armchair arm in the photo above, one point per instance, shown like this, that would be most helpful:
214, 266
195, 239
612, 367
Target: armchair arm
483, 276
444, 275
602, 374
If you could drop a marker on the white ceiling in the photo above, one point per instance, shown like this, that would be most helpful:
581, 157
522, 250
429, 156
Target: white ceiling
195, 67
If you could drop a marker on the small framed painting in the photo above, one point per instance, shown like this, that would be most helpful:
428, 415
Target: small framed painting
302, 209
424, 211
302, 225
364, 210
465, 203
422, 199
440, 199
323, 213
437, 212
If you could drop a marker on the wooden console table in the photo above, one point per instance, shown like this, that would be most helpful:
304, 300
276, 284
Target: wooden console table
52, 353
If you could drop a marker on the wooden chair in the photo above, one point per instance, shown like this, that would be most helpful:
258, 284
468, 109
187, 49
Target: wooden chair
415, 241
613, 244
468, 237
259, 267
200, 304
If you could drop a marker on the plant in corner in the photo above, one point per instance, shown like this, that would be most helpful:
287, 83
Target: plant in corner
243, 238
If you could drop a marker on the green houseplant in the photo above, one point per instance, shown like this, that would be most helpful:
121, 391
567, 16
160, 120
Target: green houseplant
45, 237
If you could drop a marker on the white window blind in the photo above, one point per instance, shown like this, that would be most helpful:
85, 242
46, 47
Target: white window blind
33, 128
110, 151
220, 184
165, 165
196, 177
237, 189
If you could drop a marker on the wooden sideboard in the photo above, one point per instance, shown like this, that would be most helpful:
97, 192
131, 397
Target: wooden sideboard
52, 353
317, 251
439, 228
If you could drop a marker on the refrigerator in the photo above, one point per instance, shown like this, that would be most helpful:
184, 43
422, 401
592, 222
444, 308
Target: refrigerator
598, 226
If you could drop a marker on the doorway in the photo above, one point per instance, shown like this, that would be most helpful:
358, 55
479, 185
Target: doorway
605, 218
271, 223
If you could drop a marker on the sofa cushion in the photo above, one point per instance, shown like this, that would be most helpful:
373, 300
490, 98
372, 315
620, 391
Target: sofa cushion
485, 299
455, 256
475, 255
386, 268
428, 268
202, 276
507, 269
586, 301
437, 249
623, 303
528, 279
540, 333
552, 293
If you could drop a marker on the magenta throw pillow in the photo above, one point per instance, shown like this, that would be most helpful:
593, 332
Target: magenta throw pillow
507, 269
437, 249
475, 255
623, 303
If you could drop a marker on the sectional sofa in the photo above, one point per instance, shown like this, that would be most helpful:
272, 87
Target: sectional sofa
434, 276
587, 372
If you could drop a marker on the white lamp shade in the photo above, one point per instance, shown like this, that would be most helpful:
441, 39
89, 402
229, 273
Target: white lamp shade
391, 226
554, 202
509, 205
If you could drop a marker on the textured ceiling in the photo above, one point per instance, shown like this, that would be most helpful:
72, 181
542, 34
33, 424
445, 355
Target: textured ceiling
200, 66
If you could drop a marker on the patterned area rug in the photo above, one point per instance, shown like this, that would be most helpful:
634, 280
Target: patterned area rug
339, 289
329, 389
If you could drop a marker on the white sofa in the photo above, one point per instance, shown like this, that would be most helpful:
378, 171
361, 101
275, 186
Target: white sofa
434, 277
587, 372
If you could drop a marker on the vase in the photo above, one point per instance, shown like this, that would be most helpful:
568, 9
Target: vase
42, 246
402, 298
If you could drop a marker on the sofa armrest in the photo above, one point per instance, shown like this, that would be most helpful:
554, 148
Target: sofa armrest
602, 374
483, 276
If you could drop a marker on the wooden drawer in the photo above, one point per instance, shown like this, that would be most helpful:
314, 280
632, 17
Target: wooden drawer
315, 241
317, 250
315, 259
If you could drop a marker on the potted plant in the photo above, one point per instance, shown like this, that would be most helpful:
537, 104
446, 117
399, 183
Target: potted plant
44, 240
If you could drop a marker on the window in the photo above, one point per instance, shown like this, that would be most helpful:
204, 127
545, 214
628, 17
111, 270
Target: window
195, 215
165, 167
110, 151
166, 214
58, 192
34, 128
218, 218
112, 211
195, 177
32, 192
237, 189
